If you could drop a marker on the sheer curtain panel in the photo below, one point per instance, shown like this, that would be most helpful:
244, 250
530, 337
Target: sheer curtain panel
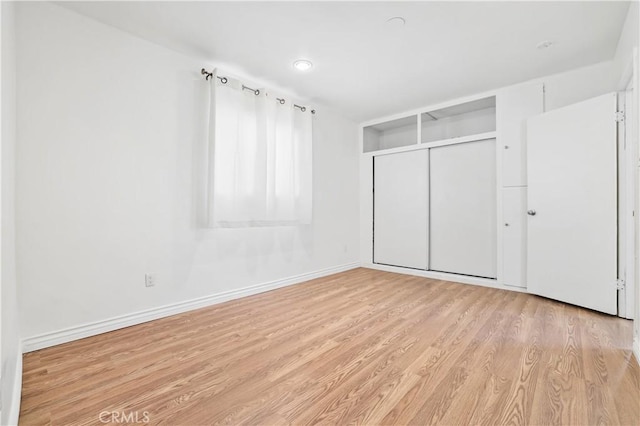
260, 158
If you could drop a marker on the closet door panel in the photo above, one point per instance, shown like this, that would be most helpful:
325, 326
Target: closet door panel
514, 236
401, 209
514, 106
463, 209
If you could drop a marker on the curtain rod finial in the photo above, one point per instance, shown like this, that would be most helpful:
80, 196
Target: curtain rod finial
207, 73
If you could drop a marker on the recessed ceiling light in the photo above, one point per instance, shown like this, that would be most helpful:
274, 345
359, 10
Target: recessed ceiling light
545, 44
302, 65
396, 21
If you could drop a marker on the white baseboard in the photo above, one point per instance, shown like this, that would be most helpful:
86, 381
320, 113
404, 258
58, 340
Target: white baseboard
456, 278
636, 349
16, 392
45, 340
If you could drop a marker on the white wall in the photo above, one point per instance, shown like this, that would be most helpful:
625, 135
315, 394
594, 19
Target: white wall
578, 85
112, 132
10, 354
399, 136
627, 42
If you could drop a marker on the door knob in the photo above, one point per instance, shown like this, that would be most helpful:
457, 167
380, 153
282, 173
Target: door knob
531, 212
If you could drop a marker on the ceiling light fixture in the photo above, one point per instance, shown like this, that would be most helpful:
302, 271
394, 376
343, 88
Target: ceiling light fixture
302, 65
545, 44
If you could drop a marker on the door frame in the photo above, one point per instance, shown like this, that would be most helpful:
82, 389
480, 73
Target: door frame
628, 190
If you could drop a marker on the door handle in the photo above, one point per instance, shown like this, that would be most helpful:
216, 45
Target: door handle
531, 212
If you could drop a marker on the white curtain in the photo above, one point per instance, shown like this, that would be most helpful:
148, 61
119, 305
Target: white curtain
260, 159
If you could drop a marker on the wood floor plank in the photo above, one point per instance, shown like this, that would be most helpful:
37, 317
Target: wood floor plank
360, 347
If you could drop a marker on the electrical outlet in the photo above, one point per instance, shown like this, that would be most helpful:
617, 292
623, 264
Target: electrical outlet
149, 280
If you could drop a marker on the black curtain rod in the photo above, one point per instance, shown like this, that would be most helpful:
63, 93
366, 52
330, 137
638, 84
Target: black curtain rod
224, 80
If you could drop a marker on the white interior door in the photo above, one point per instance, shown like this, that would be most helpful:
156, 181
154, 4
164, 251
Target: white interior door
401, 209
463, 209
571, 162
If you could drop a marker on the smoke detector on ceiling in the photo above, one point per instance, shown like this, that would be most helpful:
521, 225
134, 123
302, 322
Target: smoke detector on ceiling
545, 44
396, 21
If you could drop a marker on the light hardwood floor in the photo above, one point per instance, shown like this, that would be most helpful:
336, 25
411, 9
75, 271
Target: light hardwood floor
364, 346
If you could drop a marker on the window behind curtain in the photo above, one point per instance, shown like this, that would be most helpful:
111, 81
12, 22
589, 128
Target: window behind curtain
260, 163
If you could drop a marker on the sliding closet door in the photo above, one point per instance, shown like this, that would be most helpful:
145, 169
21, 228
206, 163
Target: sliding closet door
401, 206
463, 208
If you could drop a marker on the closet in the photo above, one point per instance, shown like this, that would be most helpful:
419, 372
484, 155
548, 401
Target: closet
513, 107
435, 206
448, 188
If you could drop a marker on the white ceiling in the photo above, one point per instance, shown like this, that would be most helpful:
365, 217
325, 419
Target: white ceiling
367, 68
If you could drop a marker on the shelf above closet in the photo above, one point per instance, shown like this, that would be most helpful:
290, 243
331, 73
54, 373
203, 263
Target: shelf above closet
443, 142
477, 117
459, 120
391, 134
